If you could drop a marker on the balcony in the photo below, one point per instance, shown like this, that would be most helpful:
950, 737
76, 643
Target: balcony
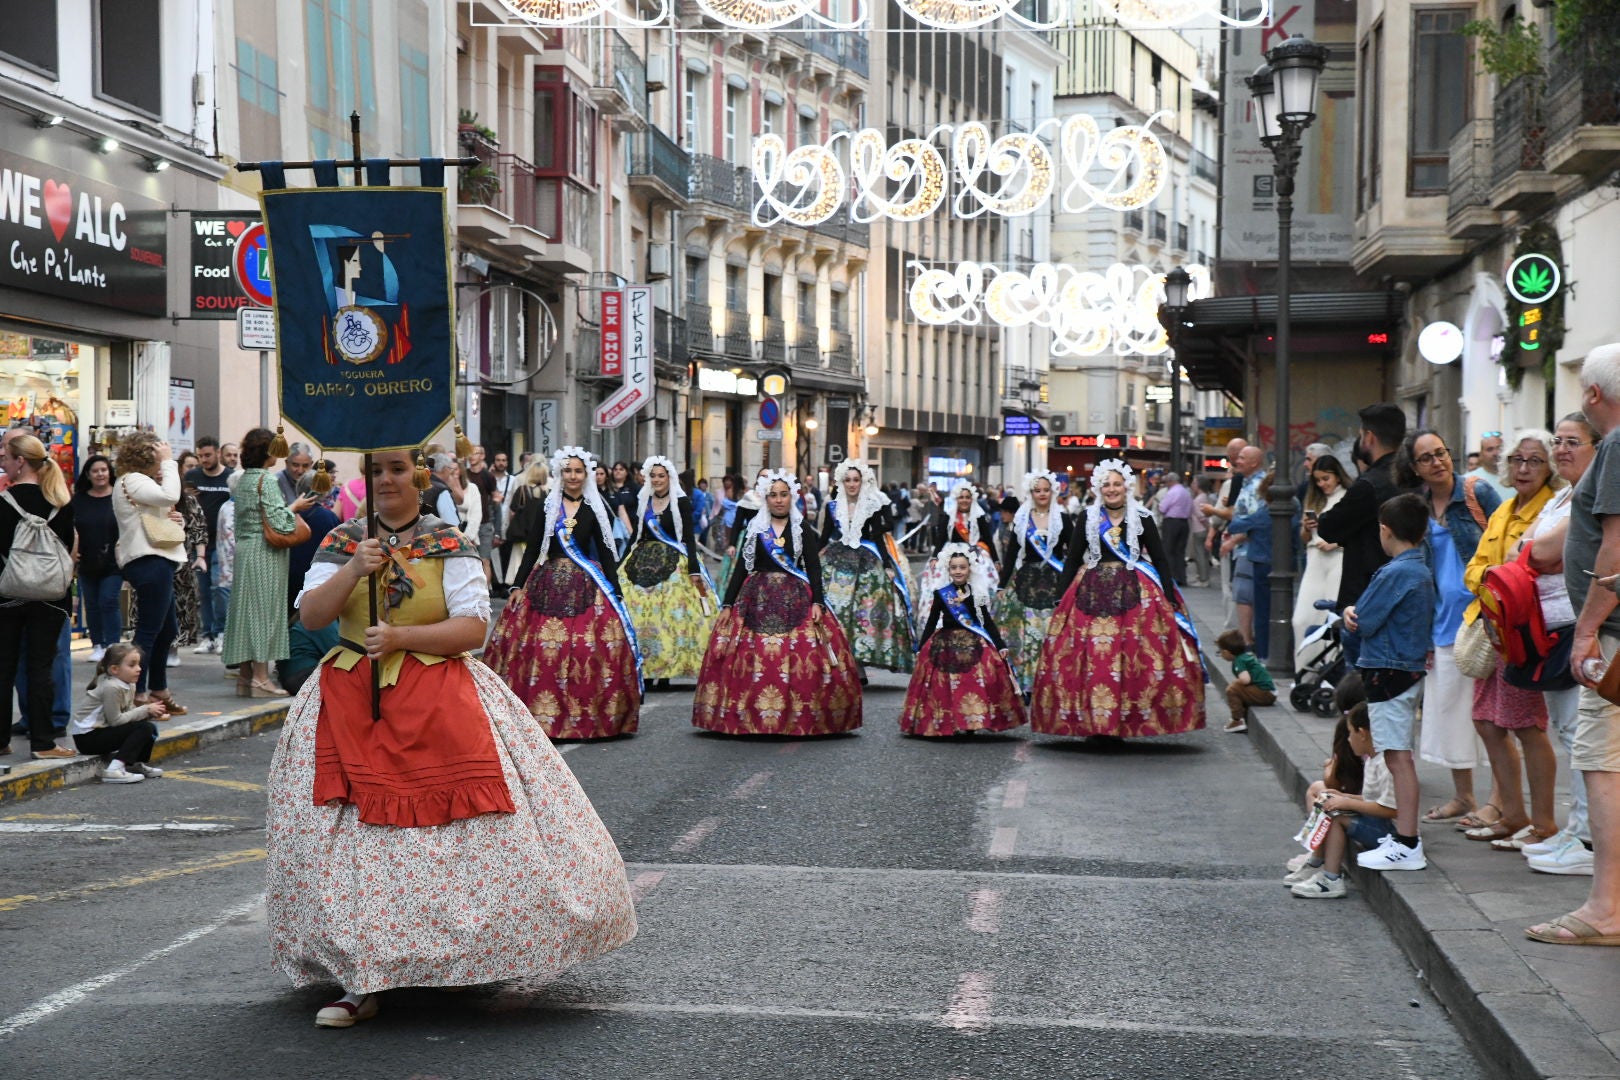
842, 230
773, 343
1161, 226
620, 90
840, 352
806, 345
714, 184
1468, 189
659, 165
1203, 167
1133, 221
670, 341
1181, 236
699, 329
1519, 177
565, 213
1583, 102
520, 191
736, 343
481, 194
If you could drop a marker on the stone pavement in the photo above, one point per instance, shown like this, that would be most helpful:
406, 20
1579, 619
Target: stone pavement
1535, 1009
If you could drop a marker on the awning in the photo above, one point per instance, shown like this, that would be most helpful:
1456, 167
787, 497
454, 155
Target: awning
1217, 332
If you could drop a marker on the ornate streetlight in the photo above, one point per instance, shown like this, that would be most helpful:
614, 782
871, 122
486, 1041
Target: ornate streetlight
1171, 313
1284, 92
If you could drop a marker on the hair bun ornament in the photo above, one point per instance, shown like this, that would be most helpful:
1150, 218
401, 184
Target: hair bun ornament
421, 480
322, 482
464, 446
278, 445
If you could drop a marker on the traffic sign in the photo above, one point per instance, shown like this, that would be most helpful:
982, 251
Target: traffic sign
251, 264
256, 329
770, 413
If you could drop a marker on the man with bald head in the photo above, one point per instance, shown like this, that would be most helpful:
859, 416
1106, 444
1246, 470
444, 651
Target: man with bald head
1219, 514
1353, 523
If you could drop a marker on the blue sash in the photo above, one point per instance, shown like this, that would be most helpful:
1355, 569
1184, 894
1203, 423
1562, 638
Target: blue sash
571, 549
1037, 540
1146, 568
651, 520
784, 562
963, 612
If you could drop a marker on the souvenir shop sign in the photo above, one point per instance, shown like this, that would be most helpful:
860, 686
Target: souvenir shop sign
215, 291
364, 315
65, 235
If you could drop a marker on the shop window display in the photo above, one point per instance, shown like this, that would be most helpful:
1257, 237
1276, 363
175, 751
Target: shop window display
39, 388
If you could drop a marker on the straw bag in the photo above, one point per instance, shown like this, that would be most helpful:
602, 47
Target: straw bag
1473, 651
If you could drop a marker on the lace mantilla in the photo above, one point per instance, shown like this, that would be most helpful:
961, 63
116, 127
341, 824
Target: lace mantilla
592, 497
760, 523
1134, 513
853, 518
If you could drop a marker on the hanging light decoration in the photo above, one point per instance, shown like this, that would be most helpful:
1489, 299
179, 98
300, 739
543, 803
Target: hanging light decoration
771, 14
936, 14
1019, 158
1160, 13
573, 12
915, 166
966, 14
813, 169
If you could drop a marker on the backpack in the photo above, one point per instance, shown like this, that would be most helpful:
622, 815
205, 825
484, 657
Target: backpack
428, 501
1511, 610
39, 566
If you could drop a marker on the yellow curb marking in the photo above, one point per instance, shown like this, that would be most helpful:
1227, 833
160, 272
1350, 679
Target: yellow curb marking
234, 785
216, 862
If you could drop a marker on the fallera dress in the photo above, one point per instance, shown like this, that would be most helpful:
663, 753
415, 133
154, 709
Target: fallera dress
446, 844
672, 619
973, 530
961, 683
1029, 593
873, 609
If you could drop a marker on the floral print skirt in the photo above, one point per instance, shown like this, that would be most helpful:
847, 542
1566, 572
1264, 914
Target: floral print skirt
1023, 613
671, 624
1116, 663
482, 899
961, 684
561, 648
1508, 706
775, 666
868, 606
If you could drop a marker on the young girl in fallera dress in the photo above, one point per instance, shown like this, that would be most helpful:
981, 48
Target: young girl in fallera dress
963, 681
864, 575
966, 523
666, 590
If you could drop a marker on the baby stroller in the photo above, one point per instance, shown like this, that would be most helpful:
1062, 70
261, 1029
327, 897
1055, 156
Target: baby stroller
1322, 654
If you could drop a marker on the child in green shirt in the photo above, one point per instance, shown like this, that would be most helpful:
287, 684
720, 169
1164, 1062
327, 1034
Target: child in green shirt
1251, 683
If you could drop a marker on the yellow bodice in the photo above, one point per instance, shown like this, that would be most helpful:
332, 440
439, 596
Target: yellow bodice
425, 606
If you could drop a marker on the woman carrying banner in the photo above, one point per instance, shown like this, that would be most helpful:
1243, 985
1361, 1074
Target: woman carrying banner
565, 644
966, 523
446, 844
666, 590
863, 573
1121, 655
964, 681
1029, 582
777, 663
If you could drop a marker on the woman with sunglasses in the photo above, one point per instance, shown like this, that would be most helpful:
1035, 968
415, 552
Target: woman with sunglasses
1500, 708
1458, 511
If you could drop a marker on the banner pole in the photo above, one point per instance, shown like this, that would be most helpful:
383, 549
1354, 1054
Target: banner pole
372, 530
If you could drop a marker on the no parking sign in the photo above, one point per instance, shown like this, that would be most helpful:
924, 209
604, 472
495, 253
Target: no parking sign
251, 264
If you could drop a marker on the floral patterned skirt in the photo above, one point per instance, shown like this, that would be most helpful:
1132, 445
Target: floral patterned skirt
777, 667
1116, 663
868, 606
961, 684
1023, 614
672, 627
561, 648
1507, 706
483, 899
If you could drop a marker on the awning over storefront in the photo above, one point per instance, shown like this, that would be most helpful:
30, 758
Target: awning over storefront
1219, 331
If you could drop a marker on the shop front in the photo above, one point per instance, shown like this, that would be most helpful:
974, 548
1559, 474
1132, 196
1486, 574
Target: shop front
729, 399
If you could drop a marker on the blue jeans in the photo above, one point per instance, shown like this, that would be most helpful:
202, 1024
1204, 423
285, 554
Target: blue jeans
98, 596
222, 595
29, 635
152, 577
212, 626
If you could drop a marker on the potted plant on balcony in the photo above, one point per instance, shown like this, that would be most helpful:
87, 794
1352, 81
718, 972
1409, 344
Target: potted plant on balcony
472, 133
1512, 52
478, 185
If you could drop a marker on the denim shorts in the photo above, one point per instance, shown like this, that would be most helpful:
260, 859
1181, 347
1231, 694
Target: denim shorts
1394, 722
1243, 583
1367, 830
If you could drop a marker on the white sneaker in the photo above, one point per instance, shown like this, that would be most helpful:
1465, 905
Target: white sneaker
115, 773
96, 654
1547, 846
1304, 872
1391, 854
1572, 859
174, 659
1320, 887
204, 647
216, 644
151, 772
1298, 861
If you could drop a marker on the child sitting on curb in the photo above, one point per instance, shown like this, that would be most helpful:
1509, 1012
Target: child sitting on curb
1393, 620
1251, 683
110, 723
1366, 818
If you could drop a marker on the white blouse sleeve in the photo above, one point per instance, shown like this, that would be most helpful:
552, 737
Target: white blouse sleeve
319, 574
466, 592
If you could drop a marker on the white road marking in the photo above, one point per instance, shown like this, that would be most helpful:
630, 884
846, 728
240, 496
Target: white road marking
62, 999
751, 785
91, 826
1022, 753
984, 911
694, 836
570, 748
1262, 875
1003, 842
969, 1010
644, 883
1017, 792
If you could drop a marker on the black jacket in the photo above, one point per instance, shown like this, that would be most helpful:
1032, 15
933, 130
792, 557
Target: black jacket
1353, 525
1009, 566
984, 534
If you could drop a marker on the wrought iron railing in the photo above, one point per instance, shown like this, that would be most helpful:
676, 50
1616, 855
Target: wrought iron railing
1520, 139
1203, 166
670, 338
839, 227
619, 67
806, 345
1583, 79
714, 180
657, 155
840, 354
736, 341
773, 342
1468, 181
1161, 225
699, 329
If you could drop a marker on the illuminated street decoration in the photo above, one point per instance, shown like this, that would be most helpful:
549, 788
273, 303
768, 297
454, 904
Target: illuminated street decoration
813, 169
1146, 13
965, 14
770, 14
1019, 158
937, 14
573, 12
916, 165
1089, 313
1084, 145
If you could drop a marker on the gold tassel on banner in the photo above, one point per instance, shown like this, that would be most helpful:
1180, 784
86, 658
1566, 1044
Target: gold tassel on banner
278, 445
423, 479
464, 446
322, 483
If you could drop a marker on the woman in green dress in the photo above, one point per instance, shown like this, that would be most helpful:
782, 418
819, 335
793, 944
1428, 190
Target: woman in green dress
256, 627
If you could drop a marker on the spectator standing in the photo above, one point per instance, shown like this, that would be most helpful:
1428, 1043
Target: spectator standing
230, 454
1353, 523
299, 460
1324, 562
35, 485
1487, 463
148, 491
321, 520
1249, 534
1221, 512
256, 628
188, 576
1199, 525
211, 479
1592, 547
501, 504
481, 480
97, 529
1175, 508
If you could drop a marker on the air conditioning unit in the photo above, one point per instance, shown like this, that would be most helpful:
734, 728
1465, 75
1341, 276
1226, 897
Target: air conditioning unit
657, 71
658, 263
1063, 423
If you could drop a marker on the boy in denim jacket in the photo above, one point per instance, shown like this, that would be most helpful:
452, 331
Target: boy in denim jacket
1394, 620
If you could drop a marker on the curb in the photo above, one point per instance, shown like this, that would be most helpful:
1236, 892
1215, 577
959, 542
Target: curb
31, 778
1518, 1025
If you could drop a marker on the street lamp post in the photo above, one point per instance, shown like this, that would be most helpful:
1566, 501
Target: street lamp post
1284, 91
1170, 316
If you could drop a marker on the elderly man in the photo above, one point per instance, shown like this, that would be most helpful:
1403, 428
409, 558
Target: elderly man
1220, 513
299, 460
1489, 468
1353, 524
1175, 508
1248, 540
1592, 546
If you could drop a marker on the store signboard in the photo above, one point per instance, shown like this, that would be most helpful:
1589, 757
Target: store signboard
631, 354
65, 235
1220, 430
182, 415
215, 291
547, 426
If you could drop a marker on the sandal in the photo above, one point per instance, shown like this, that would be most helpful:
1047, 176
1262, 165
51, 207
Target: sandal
1498, 831
173, 707
1448, 811
1527, 835
1582, 933
1473, 820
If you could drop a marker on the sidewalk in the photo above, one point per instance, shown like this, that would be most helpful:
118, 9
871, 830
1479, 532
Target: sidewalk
1535, 1010
214, 714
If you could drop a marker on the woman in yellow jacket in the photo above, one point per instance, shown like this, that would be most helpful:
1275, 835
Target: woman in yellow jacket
1498, 707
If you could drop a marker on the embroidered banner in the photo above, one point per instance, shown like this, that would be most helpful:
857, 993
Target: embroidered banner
364, 316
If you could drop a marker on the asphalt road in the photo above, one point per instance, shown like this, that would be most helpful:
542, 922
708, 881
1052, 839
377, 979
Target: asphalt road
868, 906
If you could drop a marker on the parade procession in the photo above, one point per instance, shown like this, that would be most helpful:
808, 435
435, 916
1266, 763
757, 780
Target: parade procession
591, 539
